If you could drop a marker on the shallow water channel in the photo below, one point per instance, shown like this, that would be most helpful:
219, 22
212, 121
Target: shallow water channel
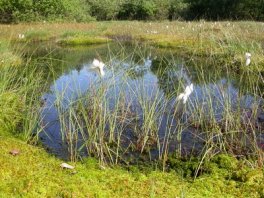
135, 103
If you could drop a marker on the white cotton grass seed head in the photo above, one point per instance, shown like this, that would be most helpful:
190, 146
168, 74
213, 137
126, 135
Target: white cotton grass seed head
248, 58
98, 65
248, 55
66, 166
21, 36
185, 95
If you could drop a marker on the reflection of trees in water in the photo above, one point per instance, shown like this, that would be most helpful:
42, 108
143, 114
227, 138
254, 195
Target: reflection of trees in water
203, 70
133, 74
209, 70
170, 76
61, 60
250, 82
139, 67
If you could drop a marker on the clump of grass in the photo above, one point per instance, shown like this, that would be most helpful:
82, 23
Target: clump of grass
37, 35
151, 112
20, 91
11, 111
7, 56
68, 34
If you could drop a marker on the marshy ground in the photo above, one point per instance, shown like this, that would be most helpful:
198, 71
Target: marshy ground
142, 141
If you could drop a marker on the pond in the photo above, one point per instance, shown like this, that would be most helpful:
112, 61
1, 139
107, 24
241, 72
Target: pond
134, 111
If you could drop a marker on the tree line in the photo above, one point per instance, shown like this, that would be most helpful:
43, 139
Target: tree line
13, 11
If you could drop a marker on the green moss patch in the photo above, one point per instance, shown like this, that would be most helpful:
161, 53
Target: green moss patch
83, 40
34, 173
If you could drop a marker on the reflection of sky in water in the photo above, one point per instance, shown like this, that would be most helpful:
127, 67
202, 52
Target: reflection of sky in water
134, 78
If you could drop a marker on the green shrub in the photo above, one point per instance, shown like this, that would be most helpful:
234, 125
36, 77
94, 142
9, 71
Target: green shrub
226, 9
137, 10
104, 9
62, 9
81, 10
162, 11
34, 10
177, 9
128, 10
11, 9
146, 10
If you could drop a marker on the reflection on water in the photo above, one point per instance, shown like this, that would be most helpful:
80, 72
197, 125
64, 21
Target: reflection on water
141, 77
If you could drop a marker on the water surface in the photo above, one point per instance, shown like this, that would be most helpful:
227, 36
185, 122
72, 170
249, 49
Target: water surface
140, 74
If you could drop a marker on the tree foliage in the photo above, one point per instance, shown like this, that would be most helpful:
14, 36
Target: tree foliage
82, 10
226, 9
34, 10
137, 9
104, 9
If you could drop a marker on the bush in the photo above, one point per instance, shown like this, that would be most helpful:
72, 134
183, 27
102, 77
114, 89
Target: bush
177, 9
246, 9
104, 9
162, 13
128, 10
82, 10
32, 10
137, 10
62, 9
226, 9
9, 9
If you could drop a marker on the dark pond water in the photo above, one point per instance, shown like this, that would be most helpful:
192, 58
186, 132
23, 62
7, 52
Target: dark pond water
139, 73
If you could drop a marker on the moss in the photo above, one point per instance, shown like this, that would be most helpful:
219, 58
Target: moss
225, 161
183, 167
34, 173
221, 165
255, 176
83, 40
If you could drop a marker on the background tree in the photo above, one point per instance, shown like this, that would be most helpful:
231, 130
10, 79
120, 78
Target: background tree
81, 10
104, 9
178, 9
226, 9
